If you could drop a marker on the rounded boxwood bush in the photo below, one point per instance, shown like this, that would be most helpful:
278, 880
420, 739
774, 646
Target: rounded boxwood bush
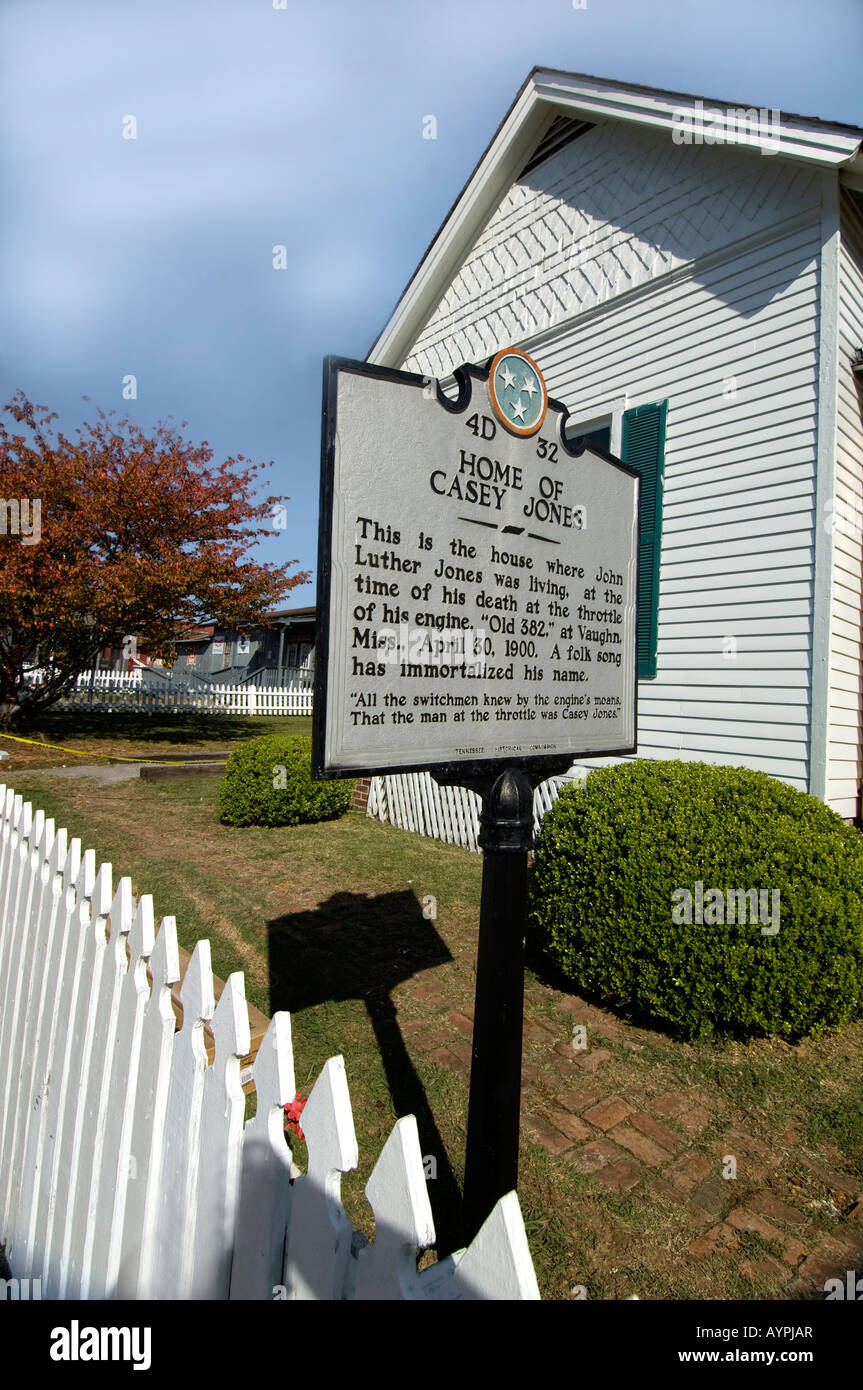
268, 781
614, 855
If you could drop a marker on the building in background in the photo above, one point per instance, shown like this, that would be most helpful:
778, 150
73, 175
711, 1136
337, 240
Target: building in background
280, 649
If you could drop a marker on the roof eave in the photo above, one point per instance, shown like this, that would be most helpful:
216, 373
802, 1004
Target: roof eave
792, 137
547, 94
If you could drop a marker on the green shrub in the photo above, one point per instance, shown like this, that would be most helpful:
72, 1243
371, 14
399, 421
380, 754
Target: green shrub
613, 851
268, 781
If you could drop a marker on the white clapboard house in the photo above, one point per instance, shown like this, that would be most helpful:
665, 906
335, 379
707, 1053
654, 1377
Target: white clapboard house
689, 276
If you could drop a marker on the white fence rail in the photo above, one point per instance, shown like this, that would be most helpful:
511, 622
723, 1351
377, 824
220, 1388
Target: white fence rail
415, 801
125, 1167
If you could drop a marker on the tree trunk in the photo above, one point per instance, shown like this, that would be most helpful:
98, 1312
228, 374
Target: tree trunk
10, 715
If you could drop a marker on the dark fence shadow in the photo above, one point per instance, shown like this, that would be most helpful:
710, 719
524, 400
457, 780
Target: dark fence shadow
356, 947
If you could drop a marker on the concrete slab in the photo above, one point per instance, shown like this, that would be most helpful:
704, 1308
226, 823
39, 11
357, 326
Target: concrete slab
106, 774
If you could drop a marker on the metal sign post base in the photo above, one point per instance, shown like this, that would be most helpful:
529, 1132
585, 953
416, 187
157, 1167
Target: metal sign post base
506, 836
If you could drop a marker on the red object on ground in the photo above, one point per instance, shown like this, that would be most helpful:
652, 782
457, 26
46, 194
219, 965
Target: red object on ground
293, 1111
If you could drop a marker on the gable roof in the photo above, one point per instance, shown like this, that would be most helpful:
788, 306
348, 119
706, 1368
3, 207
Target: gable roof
534, 118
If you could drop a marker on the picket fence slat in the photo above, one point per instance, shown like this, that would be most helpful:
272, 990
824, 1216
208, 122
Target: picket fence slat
429, 804
179, 1177
13, 1138
17, 1004
46, 950
398, 1196
265, 1186
93, 922
222, 1115
497, 1264
110, 1186
137, 1241
125, 1167
96, 1089
65, 867
79, 883
319, 1237
17, 848
374, 804
86, 923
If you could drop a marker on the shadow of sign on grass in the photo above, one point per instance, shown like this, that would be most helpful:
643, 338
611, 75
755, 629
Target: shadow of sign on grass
357, 947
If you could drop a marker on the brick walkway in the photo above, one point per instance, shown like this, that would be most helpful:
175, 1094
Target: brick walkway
733, 1190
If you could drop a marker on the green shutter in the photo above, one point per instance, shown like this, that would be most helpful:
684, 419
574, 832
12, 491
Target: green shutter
643, 448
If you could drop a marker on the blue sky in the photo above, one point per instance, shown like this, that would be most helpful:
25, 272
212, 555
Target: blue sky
301, 126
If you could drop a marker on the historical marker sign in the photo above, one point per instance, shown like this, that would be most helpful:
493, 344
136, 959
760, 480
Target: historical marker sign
477, 577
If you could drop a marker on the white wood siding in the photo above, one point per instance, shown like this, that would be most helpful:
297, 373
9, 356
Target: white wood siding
845, 766
636, 270
615, 209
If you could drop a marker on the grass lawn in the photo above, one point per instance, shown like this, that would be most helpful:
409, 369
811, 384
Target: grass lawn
327, 921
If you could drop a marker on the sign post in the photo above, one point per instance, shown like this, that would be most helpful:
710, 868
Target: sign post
477, 584
494, 1107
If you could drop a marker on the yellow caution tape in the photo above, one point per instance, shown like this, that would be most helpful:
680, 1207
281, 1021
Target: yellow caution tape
78, 752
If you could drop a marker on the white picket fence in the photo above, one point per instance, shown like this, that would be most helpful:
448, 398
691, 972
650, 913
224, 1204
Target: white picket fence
125, 1167
109, 680
414, 801
216, 699
127, 690
97, 680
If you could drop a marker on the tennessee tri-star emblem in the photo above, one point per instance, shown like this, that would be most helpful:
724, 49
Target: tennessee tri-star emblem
517, 391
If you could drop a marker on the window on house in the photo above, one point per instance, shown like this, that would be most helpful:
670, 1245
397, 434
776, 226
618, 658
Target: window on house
597, 438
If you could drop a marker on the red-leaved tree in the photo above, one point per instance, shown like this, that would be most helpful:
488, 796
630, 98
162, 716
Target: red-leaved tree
119, 532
